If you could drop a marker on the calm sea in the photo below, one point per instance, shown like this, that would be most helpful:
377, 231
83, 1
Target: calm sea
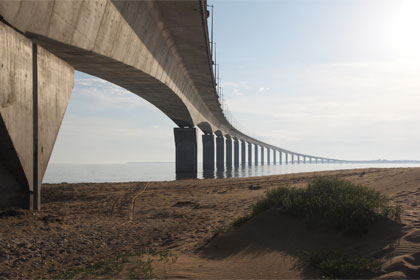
165, 171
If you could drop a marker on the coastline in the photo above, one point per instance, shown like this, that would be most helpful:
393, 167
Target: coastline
84, 223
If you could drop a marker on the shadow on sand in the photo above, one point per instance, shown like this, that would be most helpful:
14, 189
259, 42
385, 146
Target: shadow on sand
272, 231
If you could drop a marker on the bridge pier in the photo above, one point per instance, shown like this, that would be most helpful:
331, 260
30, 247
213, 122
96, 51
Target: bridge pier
286, 158
256, 154
186, 152
249, 154
34, 92
262, 155
228, 153
293, 158
208, 153
280, 157
268, 156
220, 153
236, 153
274, 157
298, 159
243, 153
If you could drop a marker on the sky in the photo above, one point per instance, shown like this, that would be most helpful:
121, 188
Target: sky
331, 78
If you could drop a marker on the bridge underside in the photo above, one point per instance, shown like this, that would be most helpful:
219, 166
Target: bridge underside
122, 75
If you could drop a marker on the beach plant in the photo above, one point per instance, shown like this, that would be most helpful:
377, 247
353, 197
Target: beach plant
330, 203
336, 265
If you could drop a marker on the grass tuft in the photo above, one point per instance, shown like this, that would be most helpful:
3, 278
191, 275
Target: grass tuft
333, 265
329, 203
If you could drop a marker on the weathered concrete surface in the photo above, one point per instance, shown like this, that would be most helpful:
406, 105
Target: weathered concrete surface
256, 154
249, 154
228, 153
34, 92
16, 122
208, 152
220, 153
262, 155
243, 153
236, 152
55, 85
186, 151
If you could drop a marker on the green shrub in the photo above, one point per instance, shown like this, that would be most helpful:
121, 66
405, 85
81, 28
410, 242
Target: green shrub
333, 264
330, 203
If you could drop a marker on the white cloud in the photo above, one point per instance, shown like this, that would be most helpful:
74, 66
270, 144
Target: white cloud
261, 89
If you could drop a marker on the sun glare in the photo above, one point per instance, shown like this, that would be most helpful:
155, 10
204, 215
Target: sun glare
405, 30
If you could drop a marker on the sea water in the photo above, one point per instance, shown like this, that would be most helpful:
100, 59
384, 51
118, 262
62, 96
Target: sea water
165, 171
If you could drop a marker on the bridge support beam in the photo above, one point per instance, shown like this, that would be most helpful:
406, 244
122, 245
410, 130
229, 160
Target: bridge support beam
274, 157
220, 153
286, 158
228, 153
249, 154
34, 91
262, 155
243, 153
256, 154
185, 152
236, 153
268, 156
280, 157
208, 153
293, 158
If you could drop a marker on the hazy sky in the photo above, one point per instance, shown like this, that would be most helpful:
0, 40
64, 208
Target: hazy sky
337, 78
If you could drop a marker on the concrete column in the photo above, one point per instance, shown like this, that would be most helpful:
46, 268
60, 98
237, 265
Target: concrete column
262, 155
316, 160
220, 153
304, 160
256, 154
293, 158
249, 154
274, 156
35, 87
298, 159
268, 156
286, 157
186, 152
208, 152
228, 153
236, 153
243, 153
280, 157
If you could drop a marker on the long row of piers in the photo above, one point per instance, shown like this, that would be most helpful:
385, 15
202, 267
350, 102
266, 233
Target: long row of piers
224, 152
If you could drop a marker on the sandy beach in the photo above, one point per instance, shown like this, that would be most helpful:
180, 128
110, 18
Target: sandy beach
82, 224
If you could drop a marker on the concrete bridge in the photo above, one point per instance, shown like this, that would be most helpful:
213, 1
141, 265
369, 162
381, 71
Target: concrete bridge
158, 50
